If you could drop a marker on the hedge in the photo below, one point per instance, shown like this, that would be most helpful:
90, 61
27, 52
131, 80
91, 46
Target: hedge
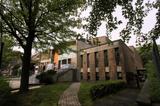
46, 77
4, 91
107, 88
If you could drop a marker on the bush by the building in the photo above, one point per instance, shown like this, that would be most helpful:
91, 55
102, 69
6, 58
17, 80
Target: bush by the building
46, 77
154, 82
4, 91
107, 88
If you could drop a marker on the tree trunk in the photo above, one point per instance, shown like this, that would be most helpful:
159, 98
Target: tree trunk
26, 61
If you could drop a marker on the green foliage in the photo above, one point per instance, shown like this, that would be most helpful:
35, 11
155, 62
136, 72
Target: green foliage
9, 56
47, 95
146, 53
84, 94
46, 77
50, 20
4, 91
154, 82
106, 88
132, 10
39, 24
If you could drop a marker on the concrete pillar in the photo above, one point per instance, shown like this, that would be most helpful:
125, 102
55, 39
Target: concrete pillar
112, 64
101, 65
122, 63
92, 66
85, 66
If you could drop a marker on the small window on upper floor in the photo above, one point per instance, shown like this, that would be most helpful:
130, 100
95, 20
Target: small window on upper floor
69, 61
64, 61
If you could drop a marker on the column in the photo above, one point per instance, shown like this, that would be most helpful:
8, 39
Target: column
101, 65
112, 64
92, 66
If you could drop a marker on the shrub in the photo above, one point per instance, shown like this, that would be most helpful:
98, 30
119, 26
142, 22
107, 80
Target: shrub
4, 91
46, 77
107, 88
154, 82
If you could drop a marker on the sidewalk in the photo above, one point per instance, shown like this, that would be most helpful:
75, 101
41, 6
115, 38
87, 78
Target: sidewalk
70, 96
126, 97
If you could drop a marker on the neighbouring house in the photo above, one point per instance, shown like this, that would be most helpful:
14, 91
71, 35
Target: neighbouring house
97, 59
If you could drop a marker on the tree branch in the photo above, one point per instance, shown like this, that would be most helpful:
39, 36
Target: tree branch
13, 32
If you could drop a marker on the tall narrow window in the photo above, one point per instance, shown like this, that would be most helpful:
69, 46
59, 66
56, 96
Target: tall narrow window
96, 59
97, 75
117, 56
69, 61
81, 59
88, 75
105, 58
107, 75
64, 61
87, 60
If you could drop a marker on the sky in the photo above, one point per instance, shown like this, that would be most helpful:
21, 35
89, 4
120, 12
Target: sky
149, 22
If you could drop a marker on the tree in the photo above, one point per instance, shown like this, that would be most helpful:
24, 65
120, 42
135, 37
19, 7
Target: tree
35, 22
133, 10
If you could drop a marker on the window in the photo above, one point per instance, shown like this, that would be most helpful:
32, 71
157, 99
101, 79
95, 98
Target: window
59, 64
64, 61
97, 75
69, 61
87, 60
117, 56
88, 75
81, 61
119, 75
96, 59
81, 75
107, 75
105, 58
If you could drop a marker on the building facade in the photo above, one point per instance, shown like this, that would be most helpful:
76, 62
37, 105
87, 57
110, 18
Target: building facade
108, 60
99, 59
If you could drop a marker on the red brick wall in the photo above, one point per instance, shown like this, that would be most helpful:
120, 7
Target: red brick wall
112, 64
92, 67
101, 65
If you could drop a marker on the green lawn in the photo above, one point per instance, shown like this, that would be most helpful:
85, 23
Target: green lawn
47, 95
84, 92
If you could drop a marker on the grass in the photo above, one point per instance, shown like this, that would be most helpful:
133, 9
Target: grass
84, 92
45, 96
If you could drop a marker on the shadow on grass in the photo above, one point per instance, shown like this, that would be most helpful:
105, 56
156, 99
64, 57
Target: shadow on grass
47, 95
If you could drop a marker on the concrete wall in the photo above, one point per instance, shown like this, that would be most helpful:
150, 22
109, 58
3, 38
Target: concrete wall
69, 76
129, 60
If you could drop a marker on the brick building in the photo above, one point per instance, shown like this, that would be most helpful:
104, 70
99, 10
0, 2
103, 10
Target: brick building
107, 60
99, 59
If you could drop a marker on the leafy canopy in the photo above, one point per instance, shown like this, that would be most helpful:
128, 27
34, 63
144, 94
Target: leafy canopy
132, 10
49, 21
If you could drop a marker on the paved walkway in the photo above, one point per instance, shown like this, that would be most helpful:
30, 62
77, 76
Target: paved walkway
126, 97
70, 96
